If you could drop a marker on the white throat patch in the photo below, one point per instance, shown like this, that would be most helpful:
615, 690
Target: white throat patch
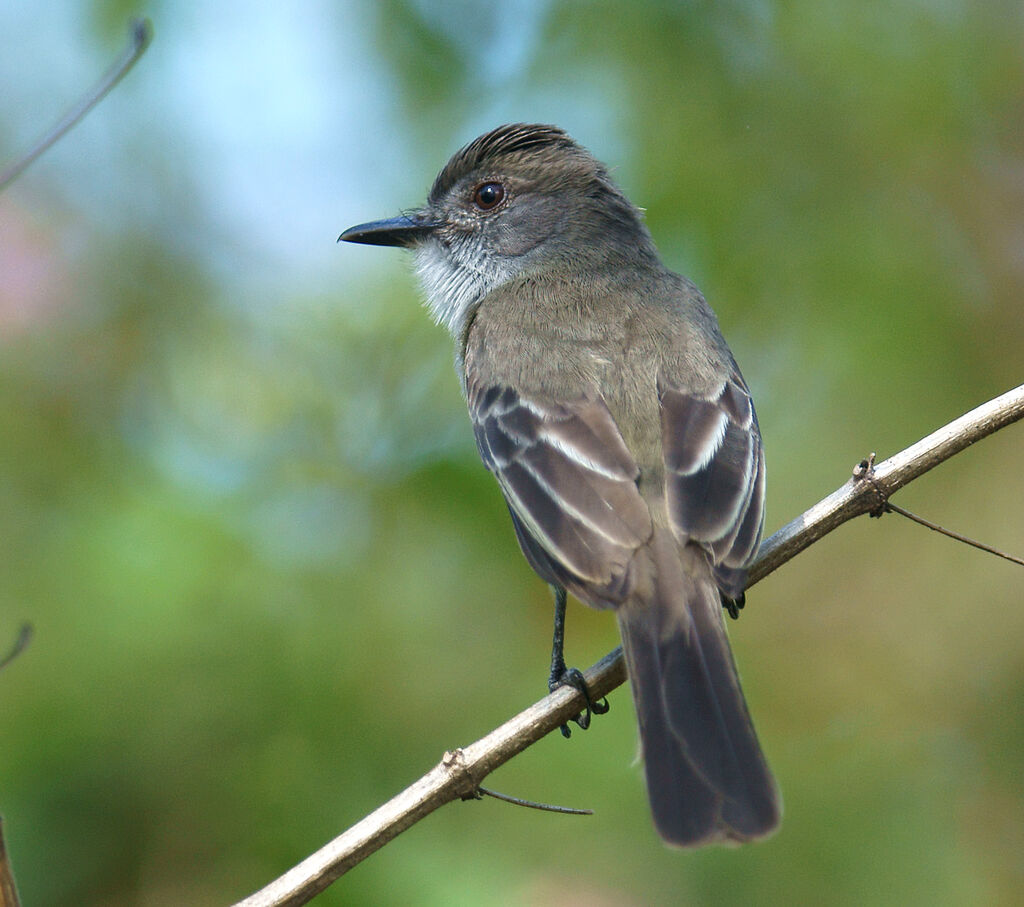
454, 280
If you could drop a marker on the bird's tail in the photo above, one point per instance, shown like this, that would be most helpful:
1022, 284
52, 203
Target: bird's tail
707, 778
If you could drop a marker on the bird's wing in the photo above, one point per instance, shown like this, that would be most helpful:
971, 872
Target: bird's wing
714, 472
570, 482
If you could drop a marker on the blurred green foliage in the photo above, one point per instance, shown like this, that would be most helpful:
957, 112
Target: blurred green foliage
269, 579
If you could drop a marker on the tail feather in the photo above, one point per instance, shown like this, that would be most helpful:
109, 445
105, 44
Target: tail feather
707, 778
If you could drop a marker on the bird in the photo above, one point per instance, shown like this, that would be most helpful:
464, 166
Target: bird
608, 406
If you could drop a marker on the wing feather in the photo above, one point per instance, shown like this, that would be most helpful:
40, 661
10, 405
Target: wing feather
714, 470
570, 482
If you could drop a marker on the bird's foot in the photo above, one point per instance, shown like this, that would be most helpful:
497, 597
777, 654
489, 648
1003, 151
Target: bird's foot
573, 677
733, 605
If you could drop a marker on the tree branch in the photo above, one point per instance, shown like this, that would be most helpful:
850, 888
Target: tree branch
8, 890
461, 771
858, 496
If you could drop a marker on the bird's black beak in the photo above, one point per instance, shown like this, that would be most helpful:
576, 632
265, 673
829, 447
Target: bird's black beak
395, 231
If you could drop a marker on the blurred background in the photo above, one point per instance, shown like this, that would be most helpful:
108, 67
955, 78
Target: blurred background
240, 503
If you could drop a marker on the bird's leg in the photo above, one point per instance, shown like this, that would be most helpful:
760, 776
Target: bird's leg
562, 676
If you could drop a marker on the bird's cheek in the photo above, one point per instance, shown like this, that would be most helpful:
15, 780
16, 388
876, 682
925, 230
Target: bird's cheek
525, 227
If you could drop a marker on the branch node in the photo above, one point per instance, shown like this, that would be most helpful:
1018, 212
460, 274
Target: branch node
465, 784
865, 467
864, 472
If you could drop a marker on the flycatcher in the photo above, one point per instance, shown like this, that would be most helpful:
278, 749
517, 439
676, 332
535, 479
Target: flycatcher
609, 408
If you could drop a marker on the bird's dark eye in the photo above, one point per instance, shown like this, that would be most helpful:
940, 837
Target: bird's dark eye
488, 195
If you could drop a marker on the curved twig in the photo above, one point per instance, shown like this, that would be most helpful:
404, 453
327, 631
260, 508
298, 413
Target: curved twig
141, 33
22, 640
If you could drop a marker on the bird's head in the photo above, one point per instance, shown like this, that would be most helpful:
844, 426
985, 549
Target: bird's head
517, 201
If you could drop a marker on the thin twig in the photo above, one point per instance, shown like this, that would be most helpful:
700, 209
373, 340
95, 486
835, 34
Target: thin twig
24, 636
895, 508
461, 771
141, 33
532, 804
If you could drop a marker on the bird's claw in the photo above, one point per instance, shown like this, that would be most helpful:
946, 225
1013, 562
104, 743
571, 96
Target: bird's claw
733, 605
573, 677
